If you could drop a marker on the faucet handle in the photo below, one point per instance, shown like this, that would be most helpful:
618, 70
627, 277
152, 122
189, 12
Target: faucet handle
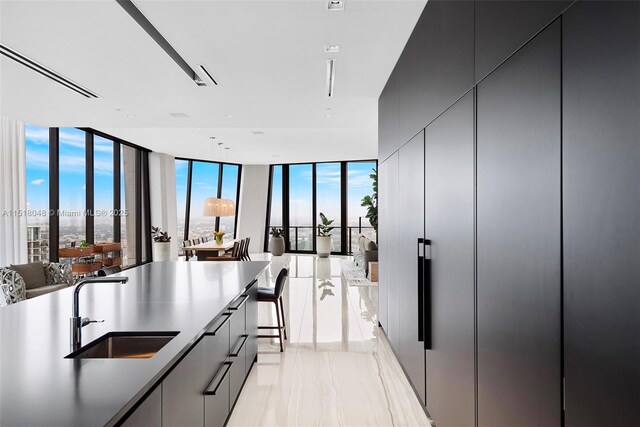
86, 321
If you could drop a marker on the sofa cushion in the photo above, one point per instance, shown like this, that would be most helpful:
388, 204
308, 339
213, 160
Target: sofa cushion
32, 274
44, 290
371, 246
362, 242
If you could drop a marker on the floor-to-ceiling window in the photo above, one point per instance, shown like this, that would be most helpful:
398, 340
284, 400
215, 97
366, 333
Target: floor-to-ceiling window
229, 191
204, 184
328, 192
103, 189
300, 192
182, 176
73, 186
37, 152
275, 213
197, 180
359, 185
99, 193
301, 217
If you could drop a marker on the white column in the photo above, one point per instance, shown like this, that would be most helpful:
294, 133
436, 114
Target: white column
162, 186
252, 209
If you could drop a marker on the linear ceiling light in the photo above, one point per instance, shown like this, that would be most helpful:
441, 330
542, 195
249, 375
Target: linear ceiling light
208, 74
331, 76
47, 72
137, 16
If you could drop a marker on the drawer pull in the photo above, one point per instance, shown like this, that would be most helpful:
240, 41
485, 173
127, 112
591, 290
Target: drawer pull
239, 345
237, 303
214, 329
212, 389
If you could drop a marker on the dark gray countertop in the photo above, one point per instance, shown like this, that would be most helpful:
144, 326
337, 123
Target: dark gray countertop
39, 387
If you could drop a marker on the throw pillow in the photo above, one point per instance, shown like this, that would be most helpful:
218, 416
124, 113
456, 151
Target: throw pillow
32, 274
371, 246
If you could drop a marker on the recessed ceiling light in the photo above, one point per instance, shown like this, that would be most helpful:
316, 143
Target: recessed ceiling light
332, 49
226, 148
335, 5
327, 109
179, 115
258, 132
275, 155
219, 144
118, 109
212, 137
130, 115
228, 115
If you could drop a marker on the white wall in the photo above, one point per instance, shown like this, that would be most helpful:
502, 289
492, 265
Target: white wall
162, 184
252, 210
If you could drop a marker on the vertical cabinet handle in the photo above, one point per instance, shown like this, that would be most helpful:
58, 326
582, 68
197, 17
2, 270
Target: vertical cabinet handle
421, 289
426, 296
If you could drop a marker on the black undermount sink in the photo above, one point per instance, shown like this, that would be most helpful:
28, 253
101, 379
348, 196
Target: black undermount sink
124, 345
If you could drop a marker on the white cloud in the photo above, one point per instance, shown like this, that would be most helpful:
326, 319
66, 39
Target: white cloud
37, 182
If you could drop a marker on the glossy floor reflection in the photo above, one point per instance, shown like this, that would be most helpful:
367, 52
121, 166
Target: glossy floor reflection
336, 370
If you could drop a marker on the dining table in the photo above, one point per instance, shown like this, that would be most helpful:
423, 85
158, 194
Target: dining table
209, 249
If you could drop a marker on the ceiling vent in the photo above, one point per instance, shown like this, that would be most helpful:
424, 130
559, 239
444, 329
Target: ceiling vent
335, 5
48, 73
178, 115
331, 76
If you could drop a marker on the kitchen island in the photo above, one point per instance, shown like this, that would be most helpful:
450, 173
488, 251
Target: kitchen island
205, 303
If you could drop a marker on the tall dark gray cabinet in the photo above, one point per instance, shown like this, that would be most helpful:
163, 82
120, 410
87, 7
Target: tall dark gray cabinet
411, 228
601, 178
518, 247
509, 137
449, 225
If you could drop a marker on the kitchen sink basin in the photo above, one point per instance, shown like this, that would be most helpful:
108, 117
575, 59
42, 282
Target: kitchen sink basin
124, 345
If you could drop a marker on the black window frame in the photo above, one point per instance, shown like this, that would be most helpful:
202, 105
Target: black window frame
345, 241
221, 166
143, 204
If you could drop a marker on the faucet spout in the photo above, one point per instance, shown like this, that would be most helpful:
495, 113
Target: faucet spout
76, 321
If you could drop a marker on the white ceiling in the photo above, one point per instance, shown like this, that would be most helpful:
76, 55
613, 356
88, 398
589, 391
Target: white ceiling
268, 58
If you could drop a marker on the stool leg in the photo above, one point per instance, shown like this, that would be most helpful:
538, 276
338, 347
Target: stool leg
284, 324
279, 327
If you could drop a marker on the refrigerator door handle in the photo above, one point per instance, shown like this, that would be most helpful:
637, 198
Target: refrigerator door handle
426, 296
421, 322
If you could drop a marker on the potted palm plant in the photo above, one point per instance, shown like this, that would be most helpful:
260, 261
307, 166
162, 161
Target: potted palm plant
276, 244
161, 244
324, 236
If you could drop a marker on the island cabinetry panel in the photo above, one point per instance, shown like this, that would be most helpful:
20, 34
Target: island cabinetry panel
216, 395
149, 413
182, 391
252, 325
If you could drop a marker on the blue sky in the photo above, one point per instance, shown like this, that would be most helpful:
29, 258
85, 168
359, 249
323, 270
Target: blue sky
72, 169
328, 191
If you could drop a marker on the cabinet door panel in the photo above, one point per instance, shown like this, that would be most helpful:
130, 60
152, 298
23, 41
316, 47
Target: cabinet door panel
182, 391
393, 309
149, 413
436, 66
503, 26
601, 159
252, 325
449, 224
410, 229
383, 237
388, 118
518, 238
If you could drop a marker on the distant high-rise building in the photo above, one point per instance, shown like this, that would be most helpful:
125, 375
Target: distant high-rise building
37, 243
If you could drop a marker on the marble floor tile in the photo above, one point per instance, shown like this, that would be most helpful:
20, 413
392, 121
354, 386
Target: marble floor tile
337, 368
